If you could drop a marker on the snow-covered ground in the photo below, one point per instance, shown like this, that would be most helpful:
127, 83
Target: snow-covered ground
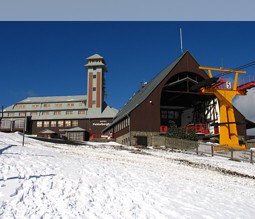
45, 180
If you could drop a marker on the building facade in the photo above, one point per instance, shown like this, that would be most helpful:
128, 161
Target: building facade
75, 117
168, 97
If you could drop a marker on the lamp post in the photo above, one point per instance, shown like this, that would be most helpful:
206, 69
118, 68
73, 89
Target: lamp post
24, 129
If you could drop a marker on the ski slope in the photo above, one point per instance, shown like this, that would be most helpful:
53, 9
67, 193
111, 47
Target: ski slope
106, 180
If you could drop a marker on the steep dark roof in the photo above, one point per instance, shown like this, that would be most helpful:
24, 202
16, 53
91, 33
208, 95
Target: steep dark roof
249, 124
142, 94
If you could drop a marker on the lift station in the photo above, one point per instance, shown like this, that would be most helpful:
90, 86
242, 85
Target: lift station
225, 94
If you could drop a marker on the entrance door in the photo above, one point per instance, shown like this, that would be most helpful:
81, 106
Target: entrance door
142, 140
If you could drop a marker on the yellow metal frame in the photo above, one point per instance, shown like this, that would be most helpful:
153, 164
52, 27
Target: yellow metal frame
228, 129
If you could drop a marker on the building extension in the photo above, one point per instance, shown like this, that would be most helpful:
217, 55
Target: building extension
75, 117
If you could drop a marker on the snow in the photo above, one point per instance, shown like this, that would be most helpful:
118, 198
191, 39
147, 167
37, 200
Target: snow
107, 180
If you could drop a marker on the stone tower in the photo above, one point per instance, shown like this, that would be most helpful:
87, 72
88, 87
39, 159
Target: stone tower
96, 85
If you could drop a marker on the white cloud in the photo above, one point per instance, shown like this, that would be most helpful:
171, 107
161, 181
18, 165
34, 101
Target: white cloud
246, 105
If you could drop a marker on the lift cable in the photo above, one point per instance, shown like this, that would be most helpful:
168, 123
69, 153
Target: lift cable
238, 68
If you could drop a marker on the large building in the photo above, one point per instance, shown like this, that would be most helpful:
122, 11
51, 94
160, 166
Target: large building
169, 97
75, 117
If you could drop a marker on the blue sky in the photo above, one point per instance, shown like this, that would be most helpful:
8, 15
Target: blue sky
48, 58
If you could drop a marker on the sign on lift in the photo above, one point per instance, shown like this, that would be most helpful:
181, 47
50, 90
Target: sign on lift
228, 85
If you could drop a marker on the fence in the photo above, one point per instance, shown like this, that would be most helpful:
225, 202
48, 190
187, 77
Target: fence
212, 150
233, 154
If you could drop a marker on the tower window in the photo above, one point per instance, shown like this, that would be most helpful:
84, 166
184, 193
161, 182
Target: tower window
94, 68
94, 88
94, 76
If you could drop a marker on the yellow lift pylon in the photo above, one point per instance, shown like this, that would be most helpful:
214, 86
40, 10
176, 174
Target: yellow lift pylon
227, 126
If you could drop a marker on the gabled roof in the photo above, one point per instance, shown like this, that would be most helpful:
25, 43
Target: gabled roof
50, 99
142, 94
108, 111
95, 56
75, 129
47, 131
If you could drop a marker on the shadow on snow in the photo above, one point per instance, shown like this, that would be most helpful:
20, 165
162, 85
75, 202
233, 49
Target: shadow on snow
6, 148
30, 177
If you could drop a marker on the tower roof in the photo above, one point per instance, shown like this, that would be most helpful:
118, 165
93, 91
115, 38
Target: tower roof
96, 60
95, 56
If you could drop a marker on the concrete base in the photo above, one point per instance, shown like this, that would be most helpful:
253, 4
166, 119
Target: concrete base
140, 138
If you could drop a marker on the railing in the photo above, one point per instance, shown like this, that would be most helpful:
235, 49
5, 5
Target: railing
246, 79
223, 151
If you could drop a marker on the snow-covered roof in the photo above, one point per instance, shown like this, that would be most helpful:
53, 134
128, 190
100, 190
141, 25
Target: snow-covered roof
54, 99
47, 131
95, 56
80, 103
75, 129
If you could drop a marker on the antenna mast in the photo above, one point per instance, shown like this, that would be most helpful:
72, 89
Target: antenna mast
181, 39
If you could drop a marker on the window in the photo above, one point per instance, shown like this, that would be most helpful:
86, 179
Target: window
33, 114
35, 106
76, 136
60, 123
58, 105
57, 113
69, 112
94, 88
10, 114
39, 124
93, 102
81, 112
6, 124
164, 114
94, 76
19, 123
94, 68
70, 105
68, 123
45, 113
21, 106
170, 114
22, 114
75, 123
46, 105
53, 123
46, 123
